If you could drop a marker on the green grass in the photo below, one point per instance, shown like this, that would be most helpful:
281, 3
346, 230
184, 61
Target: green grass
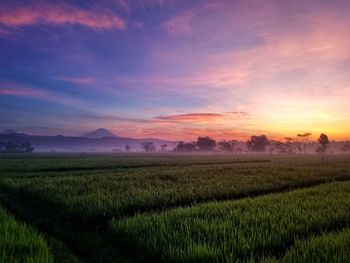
331, 247
36, 162
235, 231
133, 184
20, 243
72, 197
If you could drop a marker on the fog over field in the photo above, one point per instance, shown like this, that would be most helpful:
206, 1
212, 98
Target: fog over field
102, 140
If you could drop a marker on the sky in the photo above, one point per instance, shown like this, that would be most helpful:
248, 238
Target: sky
176, 69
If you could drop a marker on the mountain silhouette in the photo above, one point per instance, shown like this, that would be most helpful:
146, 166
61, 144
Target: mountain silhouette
99, 133
105, 142
9, 131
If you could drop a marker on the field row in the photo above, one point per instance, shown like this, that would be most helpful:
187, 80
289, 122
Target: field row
331, 247
42, 164
159, 205
75, 162
20, 243
244, 230
254, 230
126, 192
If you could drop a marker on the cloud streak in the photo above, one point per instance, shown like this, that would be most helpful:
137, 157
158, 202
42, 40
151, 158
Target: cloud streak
191, 117
78, 80
44, 13
12, 89
180, 24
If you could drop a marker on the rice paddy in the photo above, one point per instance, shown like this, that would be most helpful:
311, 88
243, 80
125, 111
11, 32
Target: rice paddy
183, 208
21, 243
241, 230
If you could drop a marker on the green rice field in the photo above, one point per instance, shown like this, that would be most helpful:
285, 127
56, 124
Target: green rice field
234, 231
21, 243
178, 208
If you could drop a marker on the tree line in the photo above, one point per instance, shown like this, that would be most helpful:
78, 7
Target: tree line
16, 146
256, 143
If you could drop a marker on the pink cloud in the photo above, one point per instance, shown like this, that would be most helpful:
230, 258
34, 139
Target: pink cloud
154, 109
123, 4
184, 133
4, 32
187, 126
12, 89
192, 117
306, 57
238, 113
59, 14
180, 24
78, 80
138, 24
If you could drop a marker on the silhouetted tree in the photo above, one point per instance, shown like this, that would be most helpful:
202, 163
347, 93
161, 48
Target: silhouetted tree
185, 147
10, 146
16, 146
127, 148
285, 147
280, 146
2, 146
206, 144
26, 147
320, 149
164, 147
238, 150
346, 148
288, 144
257, 143
148, 146
225, 146
304, 139
323, 140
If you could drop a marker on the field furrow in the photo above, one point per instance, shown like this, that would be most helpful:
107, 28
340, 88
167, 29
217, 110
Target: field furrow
126, 192
20, 243
242, 230
159, 204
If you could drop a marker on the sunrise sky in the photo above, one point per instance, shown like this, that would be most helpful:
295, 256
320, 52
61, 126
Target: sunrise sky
176, 69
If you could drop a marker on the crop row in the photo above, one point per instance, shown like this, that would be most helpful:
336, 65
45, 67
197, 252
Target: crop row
331, 247
40, 164
239, 231
74, 162
20, 243
126, 192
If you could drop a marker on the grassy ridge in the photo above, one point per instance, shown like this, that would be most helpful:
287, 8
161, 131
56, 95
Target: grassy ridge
38, 163
120, 192
20, 243
242, 230
331, 247
72, 197
91, 243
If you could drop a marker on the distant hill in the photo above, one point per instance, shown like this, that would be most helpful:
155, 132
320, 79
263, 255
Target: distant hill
8, 131
109, 142
60, 143
99, 133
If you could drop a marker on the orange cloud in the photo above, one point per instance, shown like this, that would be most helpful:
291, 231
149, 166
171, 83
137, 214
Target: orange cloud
59, 14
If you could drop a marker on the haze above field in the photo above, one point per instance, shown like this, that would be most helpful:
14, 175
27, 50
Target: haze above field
176, 70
